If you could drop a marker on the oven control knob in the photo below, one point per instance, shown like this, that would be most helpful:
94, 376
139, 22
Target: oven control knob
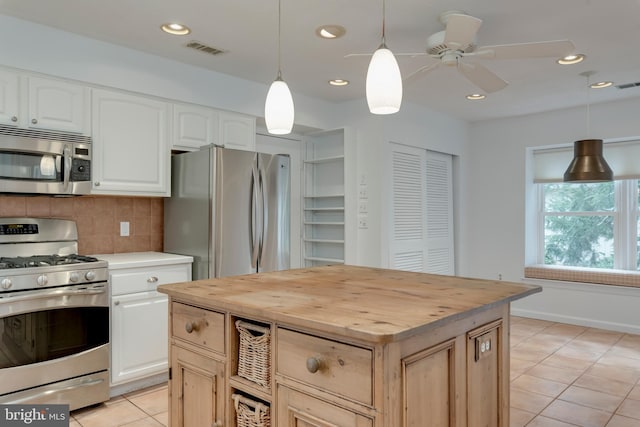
90, 275
6, 283
42, 280
74, 277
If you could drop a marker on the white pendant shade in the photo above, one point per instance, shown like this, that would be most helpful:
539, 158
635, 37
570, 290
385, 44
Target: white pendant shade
384, 83
278, 108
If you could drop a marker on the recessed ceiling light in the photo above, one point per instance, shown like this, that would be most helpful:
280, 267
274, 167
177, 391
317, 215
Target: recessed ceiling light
475, 97
175, 29
571, 59
338, 82
330, 31
600, 85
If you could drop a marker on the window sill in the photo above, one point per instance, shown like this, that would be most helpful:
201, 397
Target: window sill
584, 275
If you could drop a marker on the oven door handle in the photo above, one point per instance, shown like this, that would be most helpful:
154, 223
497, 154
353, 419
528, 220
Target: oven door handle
30, 295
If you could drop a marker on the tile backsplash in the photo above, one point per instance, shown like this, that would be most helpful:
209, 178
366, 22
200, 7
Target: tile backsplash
98, 219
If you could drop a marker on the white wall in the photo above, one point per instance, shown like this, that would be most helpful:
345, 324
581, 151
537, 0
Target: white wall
493, 224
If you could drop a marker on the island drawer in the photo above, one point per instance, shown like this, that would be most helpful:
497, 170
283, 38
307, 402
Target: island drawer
198, 326
333, 366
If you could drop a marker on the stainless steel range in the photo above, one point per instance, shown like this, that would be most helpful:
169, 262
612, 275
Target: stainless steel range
54, 316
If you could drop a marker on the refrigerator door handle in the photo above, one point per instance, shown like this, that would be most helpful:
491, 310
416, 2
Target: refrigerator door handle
265, 214
255, 246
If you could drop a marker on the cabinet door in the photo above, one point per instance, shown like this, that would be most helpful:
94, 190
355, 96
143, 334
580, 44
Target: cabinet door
139, 336
130, 145
197, 389
9, 98
237, 131
58, 105
194, 127
297, 409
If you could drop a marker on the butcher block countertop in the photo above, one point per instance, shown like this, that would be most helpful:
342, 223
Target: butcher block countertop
370, 304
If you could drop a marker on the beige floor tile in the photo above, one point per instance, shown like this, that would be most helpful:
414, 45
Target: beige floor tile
554, 373
576, 414
603, 384
600, 336
614, 360
579, 352
619, 421
520, 365
519, 418
562, 329
74, 423
145, 422
635, 393
567, 362
538, 385
162, 418
527, 401
541, 421
591, 398
624, 351
105, 415
152, 402
532, 353
630, 408
618, 373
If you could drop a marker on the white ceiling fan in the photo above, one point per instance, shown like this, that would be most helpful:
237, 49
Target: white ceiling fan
456, 44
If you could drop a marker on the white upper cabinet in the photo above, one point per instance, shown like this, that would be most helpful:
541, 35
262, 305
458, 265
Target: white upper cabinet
58, 105
194, 126
9, 98
131, 153
237, 131
41, 103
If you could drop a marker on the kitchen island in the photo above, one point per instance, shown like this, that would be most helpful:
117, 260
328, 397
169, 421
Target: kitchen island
341, 346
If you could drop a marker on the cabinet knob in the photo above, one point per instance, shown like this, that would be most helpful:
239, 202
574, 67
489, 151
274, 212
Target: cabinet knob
14, 119
217, 423
191, 326
97, 183
313, 364
152, 279
116, 303
34, 121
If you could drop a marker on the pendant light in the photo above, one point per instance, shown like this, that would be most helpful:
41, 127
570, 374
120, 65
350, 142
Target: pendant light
384, 82
588, 164
278, 107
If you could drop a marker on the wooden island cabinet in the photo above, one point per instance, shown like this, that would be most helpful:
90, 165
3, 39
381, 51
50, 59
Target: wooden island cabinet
341, 346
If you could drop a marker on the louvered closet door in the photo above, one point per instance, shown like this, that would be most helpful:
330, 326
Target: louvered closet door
440, 254
408, 240
422, 211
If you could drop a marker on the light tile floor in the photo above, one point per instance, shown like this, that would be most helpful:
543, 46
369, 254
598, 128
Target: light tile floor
561, 376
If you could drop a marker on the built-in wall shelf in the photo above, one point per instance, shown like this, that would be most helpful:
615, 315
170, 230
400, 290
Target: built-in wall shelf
323, 239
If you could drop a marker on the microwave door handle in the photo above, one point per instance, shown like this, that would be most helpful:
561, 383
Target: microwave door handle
66, 153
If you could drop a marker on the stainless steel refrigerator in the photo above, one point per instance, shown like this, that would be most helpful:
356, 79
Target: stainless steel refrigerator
229, 210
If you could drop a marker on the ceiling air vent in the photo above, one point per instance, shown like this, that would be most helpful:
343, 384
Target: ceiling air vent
204, 48
628, 85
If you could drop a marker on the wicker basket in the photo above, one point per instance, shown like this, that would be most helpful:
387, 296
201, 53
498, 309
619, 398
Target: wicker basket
250, 413
254, 355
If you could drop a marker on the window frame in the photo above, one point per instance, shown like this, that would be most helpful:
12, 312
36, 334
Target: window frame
625, 226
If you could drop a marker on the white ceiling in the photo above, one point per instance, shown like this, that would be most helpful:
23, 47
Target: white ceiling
607, 31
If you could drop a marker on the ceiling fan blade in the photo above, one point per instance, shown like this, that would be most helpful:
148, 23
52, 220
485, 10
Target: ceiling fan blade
420, 72
351, 55
482, 77
553, 49
461, 30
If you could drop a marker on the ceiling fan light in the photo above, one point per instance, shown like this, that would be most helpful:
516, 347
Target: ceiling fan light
600, 85
278, 108
384, 83
571, 59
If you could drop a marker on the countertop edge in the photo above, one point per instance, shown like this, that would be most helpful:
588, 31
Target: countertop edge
142, 259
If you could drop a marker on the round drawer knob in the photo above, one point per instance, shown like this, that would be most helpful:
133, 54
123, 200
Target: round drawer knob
14, 119
152, 279
34, 121
313, 364
190, 327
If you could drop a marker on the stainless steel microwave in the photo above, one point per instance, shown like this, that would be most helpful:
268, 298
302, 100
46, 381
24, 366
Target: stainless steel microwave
35, 165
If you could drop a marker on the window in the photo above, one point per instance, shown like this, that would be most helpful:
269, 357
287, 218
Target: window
582, 226
592, 225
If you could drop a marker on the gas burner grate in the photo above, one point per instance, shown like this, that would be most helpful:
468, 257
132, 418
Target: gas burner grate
43, 261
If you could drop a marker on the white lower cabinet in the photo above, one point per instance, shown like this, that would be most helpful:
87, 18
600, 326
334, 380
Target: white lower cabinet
139, 321
139, 316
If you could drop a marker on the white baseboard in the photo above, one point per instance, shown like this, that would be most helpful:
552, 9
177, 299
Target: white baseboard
573, 320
